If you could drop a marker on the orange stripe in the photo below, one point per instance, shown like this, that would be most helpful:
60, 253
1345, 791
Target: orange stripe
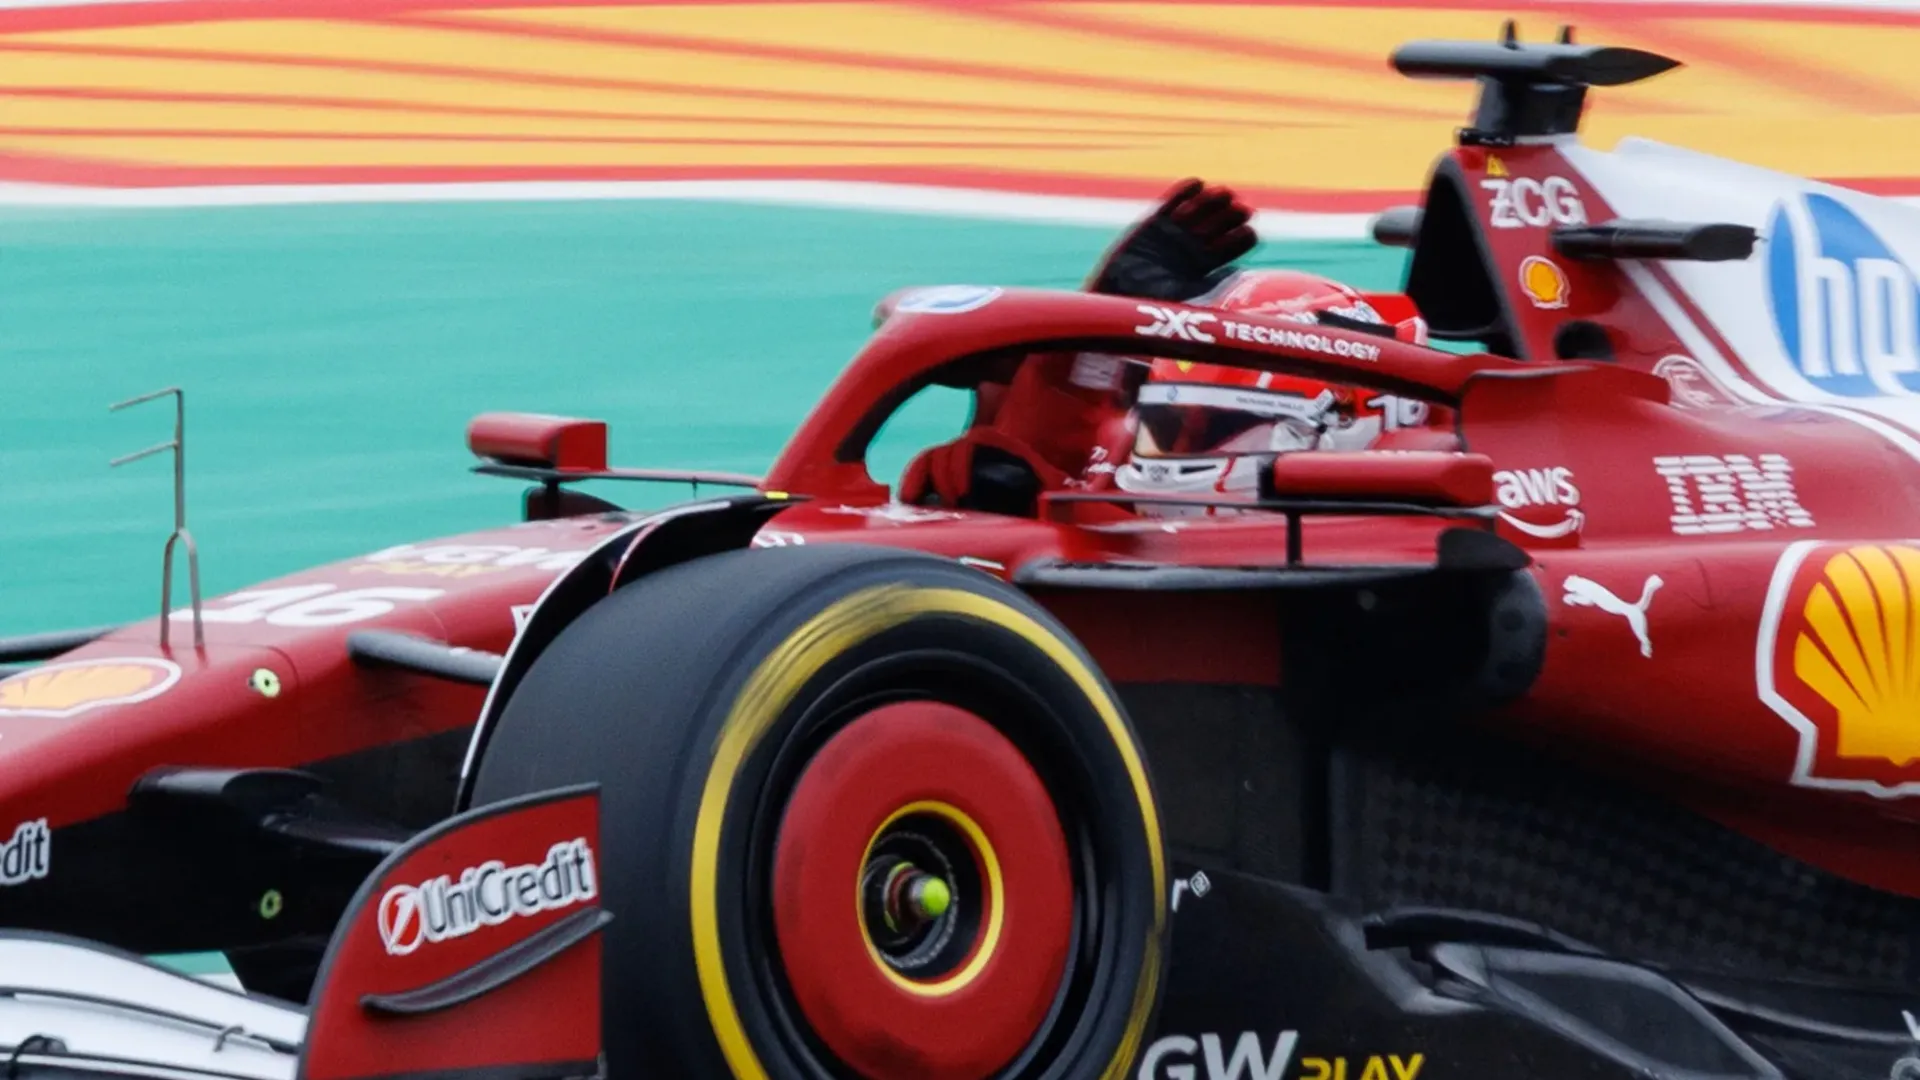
996, 72
1830, 84
725, 93
1061, 17
301, 101
95, 16
243, 134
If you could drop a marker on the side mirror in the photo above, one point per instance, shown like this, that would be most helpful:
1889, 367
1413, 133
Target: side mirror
1420, 477
560, 443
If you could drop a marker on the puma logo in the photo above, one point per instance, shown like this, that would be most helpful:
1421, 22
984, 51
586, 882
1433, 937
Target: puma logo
1583, 593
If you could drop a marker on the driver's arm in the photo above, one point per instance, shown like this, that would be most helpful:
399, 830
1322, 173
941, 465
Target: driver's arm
1056, 407
1059, 404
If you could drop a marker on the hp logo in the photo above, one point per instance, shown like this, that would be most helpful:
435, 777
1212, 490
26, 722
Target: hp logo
1846, 308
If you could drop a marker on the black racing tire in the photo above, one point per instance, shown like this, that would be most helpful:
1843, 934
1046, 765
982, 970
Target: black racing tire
700, 698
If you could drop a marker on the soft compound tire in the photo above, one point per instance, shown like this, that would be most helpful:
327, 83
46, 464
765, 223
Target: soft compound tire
696, 698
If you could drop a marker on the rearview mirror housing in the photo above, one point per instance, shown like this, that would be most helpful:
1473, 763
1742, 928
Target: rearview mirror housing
561, 443
1419, 477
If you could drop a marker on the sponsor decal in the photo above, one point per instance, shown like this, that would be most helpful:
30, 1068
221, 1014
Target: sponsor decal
1846, 308
1265, 403
771, 538
1544, 283
1688, 383
1176, 325
897, 512
1715, 494
948, 299
1496, 167
1839, 661
486, 895
1096, 371
1553, 488
1582, 592
1251, 1057
73, 687
1397, 413
1518, 202
1198, 885
521, 614
1182, 1057
463, 560
307, 606
1303, 340
1372, 1067
28, 854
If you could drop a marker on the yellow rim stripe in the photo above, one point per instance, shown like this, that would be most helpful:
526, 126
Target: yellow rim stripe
842, 625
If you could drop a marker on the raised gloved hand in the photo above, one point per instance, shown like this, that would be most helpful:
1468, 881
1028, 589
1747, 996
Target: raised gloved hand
983, 470
1182, 249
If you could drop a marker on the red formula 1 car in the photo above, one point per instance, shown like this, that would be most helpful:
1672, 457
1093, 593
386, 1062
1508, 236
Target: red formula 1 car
1578, 737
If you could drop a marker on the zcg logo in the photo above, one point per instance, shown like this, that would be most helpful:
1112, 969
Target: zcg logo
1523, 201
1846, 307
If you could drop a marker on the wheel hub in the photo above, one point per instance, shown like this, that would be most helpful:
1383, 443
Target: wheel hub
904, 839
921, 897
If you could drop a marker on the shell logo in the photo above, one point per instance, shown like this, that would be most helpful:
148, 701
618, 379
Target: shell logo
1544, 282
76, 686
1840, 662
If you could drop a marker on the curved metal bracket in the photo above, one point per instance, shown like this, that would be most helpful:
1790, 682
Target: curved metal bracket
178, 444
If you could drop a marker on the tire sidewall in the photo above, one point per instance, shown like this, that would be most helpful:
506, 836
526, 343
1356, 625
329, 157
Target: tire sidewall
791, 686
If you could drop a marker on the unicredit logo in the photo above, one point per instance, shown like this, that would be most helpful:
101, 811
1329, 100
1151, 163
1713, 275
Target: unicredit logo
486, 895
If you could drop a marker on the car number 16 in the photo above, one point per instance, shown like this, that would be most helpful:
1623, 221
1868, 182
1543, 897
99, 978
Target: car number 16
308, 606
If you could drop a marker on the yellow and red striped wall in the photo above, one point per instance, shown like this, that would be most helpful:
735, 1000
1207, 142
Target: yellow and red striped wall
1293, 102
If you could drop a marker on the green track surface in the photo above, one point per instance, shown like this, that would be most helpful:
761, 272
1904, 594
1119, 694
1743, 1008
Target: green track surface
332, 356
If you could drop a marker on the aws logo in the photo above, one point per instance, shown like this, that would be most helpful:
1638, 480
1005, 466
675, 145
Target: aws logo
1839, 661
1846, 308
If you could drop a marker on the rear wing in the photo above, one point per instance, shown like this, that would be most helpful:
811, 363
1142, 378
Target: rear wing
1527, 91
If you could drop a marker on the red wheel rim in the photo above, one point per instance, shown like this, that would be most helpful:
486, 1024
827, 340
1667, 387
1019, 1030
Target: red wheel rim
944, 787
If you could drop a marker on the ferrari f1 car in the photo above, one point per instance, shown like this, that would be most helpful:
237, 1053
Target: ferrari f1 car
1583, 742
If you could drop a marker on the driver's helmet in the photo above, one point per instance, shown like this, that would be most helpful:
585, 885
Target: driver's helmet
1207, 429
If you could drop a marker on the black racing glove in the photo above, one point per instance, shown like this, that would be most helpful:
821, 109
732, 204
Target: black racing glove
1182, 249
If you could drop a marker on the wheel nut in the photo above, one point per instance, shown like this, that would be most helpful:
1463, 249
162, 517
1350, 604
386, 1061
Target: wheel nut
929, 897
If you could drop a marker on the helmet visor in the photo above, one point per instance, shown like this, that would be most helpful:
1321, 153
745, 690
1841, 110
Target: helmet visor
1197, 420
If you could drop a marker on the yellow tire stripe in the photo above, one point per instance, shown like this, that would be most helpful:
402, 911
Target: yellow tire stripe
774, 684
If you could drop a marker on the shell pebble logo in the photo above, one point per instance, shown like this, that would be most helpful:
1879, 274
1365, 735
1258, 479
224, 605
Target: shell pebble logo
1840, 662
1544, 282
75, 686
